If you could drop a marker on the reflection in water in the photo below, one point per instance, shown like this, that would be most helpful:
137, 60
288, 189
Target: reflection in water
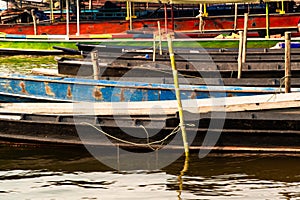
28, 172
180, 177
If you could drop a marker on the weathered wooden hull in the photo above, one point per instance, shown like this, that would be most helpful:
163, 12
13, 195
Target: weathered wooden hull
266, 126
215, 23
207, 63
18, 88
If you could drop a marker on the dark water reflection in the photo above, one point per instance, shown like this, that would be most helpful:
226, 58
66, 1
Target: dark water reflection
28, 172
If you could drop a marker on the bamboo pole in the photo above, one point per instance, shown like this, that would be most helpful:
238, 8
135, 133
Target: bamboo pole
282, 11
172, 18
127, 10
68, 19
267, 20
166, 18
159, 33
90, 4
154, 47
77, 17
51, 11
130, 16
240, 65
200, 18
235, 15
94, 58
287, 62
245, 38
34, 22
178, 98
205, 14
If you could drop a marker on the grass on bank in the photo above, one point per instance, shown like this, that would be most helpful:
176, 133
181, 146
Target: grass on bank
24, 64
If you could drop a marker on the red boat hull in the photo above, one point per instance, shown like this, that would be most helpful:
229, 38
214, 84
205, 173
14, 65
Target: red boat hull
214, 23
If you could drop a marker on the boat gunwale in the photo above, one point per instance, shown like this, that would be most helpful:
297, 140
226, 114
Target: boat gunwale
150, 86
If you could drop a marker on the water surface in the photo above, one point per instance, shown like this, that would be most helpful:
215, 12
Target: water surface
40, 172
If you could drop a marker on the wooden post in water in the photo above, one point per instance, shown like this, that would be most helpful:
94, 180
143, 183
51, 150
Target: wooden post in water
245, 38
240, 65
34, 22
178, 98
94, 58
287, 59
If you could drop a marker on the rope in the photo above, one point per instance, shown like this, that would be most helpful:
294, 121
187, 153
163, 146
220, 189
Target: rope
280, 86
176, 130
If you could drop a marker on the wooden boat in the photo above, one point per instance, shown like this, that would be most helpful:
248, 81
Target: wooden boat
206, 68
260, 124
257, 22
19, 88
118, 61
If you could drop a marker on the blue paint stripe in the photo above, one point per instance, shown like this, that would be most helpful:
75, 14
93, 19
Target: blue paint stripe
15, 36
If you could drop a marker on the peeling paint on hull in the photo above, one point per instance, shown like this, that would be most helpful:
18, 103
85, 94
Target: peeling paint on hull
19, 88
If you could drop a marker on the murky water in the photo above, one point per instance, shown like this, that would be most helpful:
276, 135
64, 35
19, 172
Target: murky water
71, 173
41, 172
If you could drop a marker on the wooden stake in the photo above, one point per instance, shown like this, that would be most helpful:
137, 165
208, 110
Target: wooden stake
34, 21
154, 47
130, 16
67, 19
201, 18
267, 20
96, 71
287, 62
159, 33
77, 18
51, 12
235, 15
178, 98
240, 55
245, 38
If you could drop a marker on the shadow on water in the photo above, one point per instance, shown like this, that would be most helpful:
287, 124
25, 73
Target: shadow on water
275, 167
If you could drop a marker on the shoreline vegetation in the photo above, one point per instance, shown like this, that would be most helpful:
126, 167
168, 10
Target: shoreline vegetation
23, 64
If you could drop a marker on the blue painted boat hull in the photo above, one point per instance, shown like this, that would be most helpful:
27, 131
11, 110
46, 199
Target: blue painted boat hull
24, 88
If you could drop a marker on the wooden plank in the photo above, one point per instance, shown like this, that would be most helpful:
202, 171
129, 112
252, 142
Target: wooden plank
231, 104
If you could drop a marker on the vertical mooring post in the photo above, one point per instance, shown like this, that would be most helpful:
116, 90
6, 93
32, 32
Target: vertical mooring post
130, 15
240, 64
166, 18
154, 47
287, 59
96, 71
34, 22
267, 21
245, 38
235, 16
159, 33
178, 98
